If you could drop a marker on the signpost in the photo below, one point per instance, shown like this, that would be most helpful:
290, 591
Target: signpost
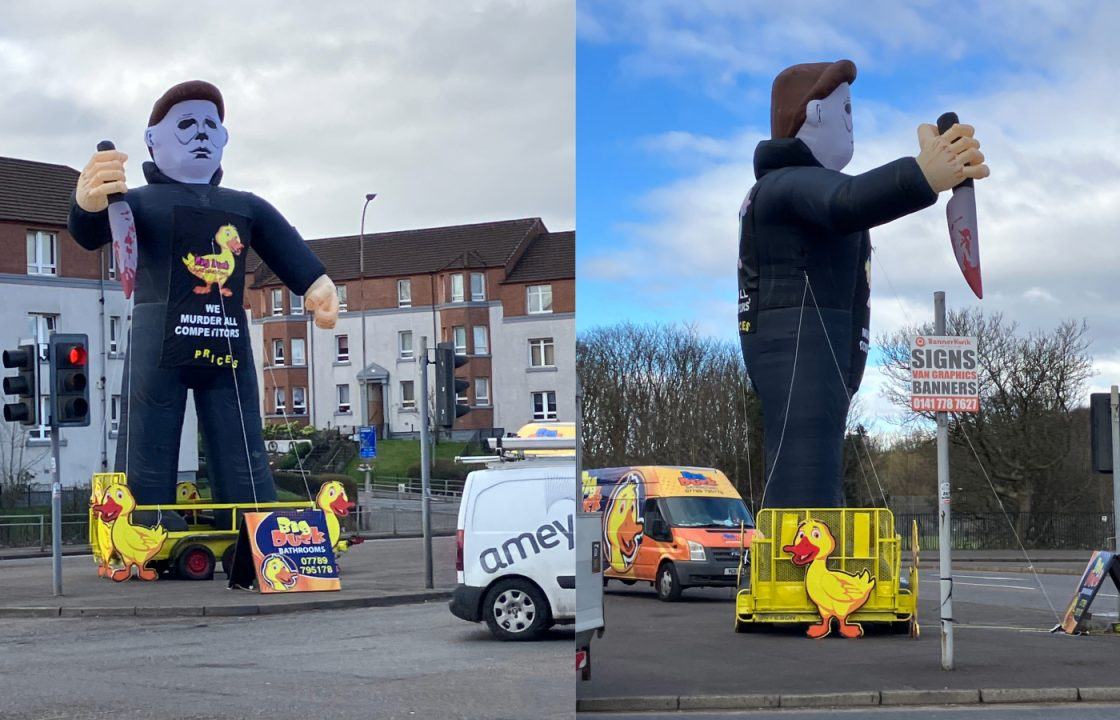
425, 464
944, 378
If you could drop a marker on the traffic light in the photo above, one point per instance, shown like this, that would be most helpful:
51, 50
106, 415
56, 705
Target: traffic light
448, 386
69, 355
25, 384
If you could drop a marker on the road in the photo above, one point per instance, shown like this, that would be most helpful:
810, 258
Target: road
414, 661
1001, 641
1078, 711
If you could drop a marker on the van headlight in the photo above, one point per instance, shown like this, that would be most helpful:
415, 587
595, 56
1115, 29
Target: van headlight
696, 551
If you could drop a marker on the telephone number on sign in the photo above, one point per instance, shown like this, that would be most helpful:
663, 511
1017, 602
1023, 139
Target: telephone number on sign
946, 404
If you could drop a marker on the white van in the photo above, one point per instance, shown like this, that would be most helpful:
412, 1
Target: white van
515, 557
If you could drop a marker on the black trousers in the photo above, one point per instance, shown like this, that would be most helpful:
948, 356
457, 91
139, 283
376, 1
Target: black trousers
154, 400
804, 448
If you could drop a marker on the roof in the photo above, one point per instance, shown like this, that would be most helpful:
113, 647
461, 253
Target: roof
549, 257
504, 243
35, 192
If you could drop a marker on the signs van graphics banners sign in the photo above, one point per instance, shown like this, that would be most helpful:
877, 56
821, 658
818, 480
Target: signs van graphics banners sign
944, 374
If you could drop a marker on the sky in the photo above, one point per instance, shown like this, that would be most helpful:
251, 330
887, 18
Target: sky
673, 96
452, 112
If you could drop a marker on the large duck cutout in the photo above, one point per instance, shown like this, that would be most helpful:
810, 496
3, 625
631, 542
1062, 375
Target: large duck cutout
334, 503
836, 594
134, 544
105, 554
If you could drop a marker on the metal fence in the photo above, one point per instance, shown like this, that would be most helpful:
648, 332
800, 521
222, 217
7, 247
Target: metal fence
35, 530
412, 486
74, 499
993, 531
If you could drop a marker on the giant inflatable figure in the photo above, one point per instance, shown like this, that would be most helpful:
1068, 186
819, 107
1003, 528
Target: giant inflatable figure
805, 268
188, 324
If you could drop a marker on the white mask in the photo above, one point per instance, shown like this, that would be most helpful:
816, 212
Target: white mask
827, 129
187, 143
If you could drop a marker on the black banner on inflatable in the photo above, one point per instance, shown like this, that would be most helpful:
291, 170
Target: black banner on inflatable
205, 325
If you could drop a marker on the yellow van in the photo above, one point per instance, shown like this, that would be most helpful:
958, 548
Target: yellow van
674, 527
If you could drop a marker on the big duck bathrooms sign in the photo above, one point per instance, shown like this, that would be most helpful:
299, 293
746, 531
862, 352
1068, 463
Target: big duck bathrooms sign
944, 374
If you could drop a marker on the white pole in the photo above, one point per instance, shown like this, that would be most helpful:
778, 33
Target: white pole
425, 464
943, 539
1116, 476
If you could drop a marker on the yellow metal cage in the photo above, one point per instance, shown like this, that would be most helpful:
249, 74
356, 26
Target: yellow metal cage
865, 540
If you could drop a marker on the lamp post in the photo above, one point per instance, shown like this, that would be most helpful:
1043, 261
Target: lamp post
362, 299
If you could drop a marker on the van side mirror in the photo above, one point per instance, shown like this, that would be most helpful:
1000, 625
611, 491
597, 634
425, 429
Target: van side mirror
659, 529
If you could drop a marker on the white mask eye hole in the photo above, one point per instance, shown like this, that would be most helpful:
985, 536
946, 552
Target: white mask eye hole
848, 107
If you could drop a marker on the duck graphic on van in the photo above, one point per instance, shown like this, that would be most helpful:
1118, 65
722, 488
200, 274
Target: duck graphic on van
624, 522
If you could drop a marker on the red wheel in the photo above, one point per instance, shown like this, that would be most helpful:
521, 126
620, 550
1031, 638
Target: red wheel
196, 562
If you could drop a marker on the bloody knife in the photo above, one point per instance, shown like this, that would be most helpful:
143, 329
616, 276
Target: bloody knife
961, 214
123, 228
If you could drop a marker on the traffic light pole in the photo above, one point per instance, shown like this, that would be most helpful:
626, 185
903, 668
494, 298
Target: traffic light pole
56, 510
425, 464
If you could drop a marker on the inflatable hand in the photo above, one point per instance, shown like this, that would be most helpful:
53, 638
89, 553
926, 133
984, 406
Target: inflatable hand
947, 159
102, 176
322, 299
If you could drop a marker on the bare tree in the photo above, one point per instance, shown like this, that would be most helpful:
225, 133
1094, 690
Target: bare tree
16, 461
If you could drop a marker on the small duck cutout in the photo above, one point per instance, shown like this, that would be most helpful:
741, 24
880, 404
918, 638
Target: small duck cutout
186, 492
333, 502
836, 594
106, 554
215, 269
135, 544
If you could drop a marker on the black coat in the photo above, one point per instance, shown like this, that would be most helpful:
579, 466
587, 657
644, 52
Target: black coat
801, 221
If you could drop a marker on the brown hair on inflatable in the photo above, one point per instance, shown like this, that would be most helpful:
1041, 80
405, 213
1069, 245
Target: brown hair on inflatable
797, 85
189, 90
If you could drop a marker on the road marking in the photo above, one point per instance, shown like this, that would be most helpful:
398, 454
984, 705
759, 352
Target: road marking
996, 585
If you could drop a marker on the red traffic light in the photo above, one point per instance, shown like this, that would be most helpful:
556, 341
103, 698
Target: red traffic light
77, 355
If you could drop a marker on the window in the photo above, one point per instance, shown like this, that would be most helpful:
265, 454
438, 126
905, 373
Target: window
540, 299
461, 397
115, 413
297, 304
544, 405
459, 337
42, 431
478, 286
457, 287
299, 353
408, 395
341, 298
277, 302
481, 340
343, 393
482, 391
114, 334
404, 344
404, 293
278, 401
542, 353
342, 348
277, 352
42, 325
112, 263
299, 401
42, 255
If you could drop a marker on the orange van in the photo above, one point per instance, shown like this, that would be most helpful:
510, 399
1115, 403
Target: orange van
674, 527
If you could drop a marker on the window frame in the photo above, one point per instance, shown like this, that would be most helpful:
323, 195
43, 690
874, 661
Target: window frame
37, 266
545, 414
297, 361
338, 357
408, 403
455, 339
292, 298
461, 295
539, 295
277, 307
115, 409
402, 353
481, 295
296, 409
544, 344
485, 339
278, 358
404, 287
114, 334
338, 404
343, 297
483, 400
279, 401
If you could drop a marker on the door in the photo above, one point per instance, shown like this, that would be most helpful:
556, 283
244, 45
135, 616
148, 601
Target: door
375, 407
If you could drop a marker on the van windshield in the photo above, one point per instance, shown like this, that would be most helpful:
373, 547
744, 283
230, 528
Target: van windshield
717, 512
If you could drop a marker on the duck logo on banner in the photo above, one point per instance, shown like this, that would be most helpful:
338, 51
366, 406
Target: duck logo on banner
624, 522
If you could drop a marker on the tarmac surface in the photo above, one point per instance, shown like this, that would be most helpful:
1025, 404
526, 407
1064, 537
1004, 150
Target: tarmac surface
376, 572
1001, 641
415, 661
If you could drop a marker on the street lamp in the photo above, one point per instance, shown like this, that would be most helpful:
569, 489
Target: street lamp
362, 297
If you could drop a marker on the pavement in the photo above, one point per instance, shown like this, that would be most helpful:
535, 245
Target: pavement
1075, 711
1002, 646
415, 661
375, 573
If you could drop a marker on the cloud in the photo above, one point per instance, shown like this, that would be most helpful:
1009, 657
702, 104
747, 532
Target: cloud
451, 112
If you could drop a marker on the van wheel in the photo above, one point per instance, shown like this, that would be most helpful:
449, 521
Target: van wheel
516, 610
668, 583
195, 562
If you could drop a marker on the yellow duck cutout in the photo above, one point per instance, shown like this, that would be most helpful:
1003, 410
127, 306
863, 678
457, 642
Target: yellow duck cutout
186, 492
333, 502
278, 573
216, 268
105, 551
836, 594
135, 544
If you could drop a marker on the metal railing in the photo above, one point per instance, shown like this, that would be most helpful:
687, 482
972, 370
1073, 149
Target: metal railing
993, 531
441, 487
35, 530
